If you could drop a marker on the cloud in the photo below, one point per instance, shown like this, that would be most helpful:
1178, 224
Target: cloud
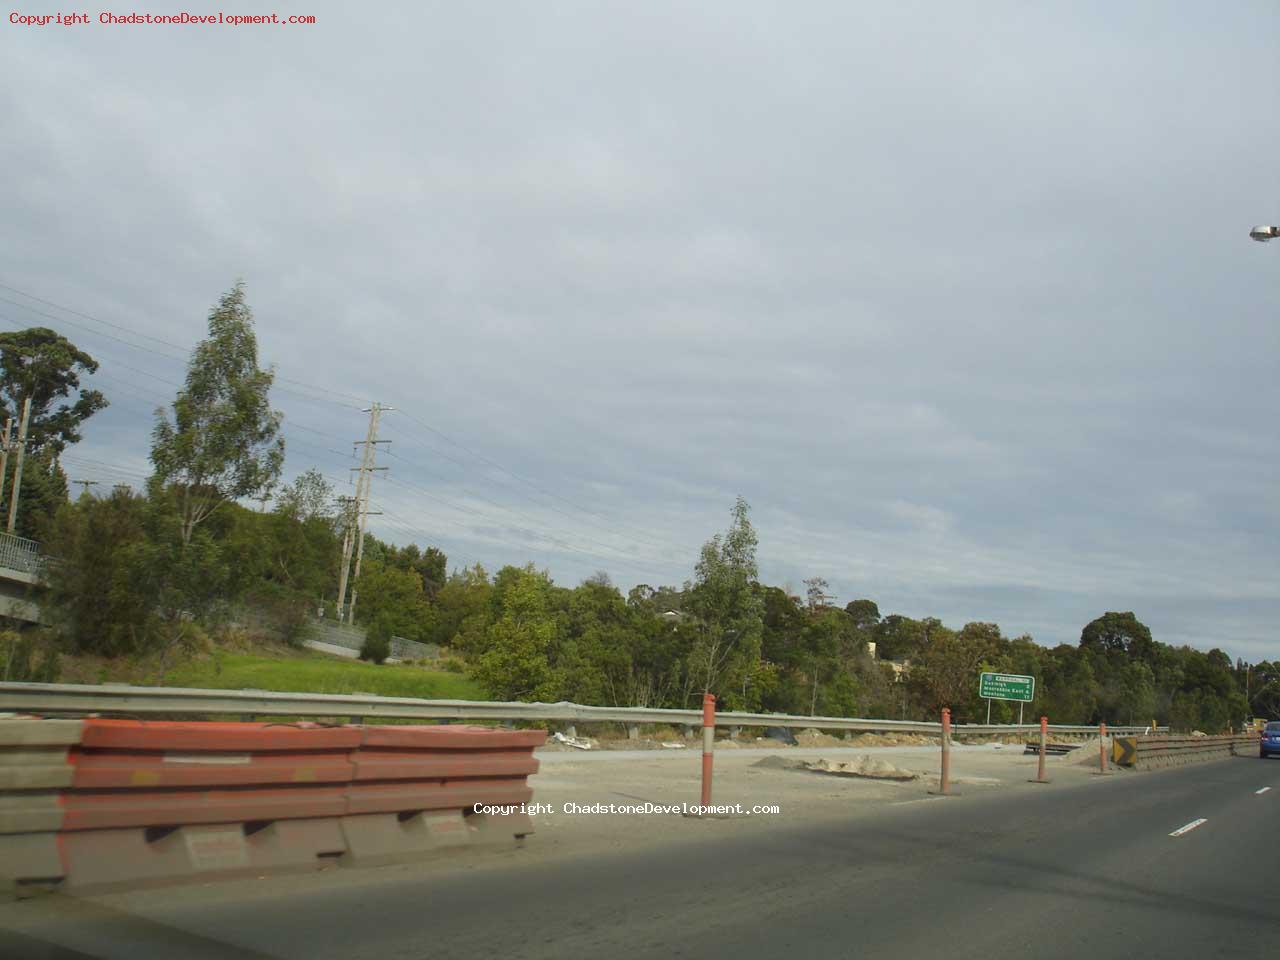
958, 297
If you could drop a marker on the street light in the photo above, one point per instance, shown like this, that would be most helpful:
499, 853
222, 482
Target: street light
1264, 233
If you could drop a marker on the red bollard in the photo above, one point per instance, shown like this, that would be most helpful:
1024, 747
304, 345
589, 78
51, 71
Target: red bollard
708, 744
1044, 740
944, 785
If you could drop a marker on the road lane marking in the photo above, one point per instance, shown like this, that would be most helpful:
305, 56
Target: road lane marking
1187, 828
1263, 790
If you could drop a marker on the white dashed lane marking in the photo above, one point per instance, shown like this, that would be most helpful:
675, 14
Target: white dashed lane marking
1263, 790
1187, 828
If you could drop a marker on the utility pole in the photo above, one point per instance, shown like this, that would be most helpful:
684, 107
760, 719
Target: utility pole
86, 484
348, 530
363, 486
17, 470
4, 455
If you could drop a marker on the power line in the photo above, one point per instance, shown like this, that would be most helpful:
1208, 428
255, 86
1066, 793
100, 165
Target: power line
612, 528
138, 346
629, 535
598, 543
184, 351
516, 476
504, 522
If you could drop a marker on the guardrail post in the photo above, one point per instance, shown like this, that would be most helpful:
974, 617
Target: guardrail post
1102, 748
1044, 742
633, 731
708, 744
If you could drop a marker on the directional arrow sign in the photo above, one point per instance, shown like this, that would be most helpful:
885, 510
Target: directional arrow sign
1124, 751
1007, 686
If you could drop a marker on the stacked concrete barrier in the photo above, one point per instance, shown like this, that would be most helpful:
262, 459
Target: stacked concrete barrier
415, 789
94, 804
1153, 753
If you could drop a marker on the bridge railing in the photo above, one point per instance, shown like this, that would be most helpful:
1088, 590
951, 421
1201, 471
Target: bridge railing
18, 553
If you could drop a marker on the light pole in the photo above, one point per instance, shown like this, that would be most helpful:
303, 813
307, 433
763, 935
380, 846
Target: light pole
1264, 233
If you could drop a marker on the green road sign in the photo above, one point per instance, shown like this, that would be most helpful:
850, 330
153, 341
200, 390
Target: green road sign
1007, 686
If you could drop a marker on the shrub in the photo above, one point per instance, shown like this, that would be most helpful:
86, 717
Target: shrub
452, 665
377, 642
30, 657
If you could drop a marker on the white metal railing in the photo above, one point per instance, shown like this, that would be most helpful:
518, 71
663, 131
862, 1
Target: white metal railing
42, 698
18, 553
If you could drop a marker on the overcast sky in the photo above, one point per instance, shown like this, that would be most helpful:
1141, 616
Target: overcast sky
959, 296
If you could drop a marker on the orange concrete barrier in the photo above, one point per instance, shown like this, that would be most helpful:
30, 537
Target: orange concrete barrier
97, 804
416, 789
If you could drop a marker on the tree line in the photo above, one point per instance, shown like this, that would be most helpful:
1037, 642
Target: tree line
164, 569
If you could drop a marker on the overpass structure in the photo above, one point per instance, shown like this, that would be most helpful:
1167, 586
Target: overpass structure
21, 576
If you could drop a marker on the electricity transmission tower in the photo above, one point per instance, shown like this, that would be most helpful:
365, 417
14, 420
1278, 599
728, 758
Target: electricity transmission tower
358, 513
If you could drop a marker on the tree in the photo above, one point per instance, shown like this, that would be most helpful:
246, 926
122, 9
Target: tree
949, 666
515, 665
1118, 633
864, 613
223, 442
724, 599
45, 367
44, 491
816, 594
393, 598
310, 495
99, 596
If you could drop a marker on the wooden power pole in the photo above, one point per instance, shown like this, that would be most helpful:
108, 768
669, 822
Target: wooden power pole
17, 469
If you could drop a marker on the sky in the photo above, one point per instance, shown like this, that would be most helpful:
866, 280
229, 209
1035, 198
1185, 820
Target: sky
959, 296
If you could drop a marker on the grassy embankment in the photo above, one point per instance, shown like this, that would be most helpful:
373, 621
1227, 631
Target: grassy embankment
274, 667
320, 674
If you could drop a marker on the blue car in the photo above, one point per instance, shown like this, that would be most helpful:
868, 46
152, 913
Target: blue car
1269, 746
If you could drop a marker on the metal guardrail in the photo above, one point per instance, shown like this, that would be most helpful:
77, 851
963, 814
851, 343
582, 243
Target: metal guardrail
43, 698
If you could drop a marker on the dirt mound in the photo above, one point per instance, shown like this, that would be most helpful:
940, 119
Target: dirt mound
1087, 754
810, 738
889, 740
863, 766
775, 762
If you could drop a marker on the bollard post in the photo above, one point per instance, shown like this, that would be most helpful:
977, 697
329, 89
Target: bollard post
1102, 748
708, 744
1044, 740
944, 785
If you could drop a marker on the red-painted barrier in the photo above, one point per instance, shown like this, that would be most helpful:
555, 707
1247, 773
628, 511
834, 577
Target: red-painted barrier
107, 803
201, 736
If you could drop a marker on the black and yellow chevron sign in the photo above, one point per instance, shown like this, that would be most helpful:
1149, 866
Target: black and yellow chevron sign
1124, 751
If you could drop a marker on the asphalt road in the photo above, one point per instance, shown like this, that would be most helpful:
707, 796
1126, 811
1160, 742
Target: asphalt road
1087, 869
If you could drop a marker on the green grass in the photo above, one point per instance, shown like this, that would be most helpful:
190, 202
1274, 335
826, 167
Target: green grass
319, 674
